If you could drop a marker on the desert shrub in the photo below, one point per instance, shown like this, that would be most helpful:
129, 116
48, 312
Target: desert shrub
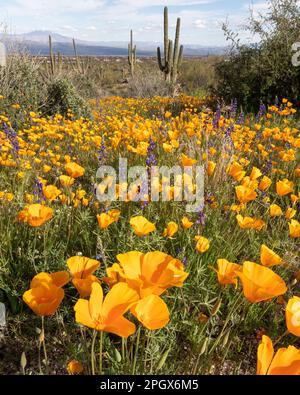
87, 85
20, 82
197, 75
260, 72
62, 97
148, 84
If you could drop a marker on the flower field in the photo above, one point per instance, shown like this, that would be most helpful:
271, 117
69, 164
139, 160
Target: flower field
135, 286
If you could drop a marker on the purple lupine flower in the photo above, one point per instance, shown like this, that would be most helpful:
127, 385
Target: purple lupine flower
184, 260
262, 110
233, 108
12, 138
241, 119
144, 204
151, 159
209, 198
217, 117
267, 167
201, 217
102, 154
38, 190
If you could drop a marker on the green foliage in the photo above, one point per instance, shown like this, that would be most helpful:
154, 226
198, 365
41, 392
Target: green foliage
260, 72
20, 82
62, 97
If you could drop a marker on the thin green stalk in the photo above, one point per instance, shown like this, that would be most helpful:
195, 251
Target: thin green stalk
44, 346
93, 353
123, 351
226, 323
136, 350
100, 352
281, 337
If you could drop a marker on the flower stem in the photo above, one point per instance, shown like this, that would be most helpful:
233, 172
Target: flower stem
93, 353
136, 350
281, 337
44, 346
100, 351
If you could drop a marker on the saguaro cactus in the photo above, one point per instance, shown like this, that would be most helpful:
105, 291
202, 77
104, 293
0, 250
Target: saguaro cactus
2, 55
76, 57
131, 54
172, 57
52, 58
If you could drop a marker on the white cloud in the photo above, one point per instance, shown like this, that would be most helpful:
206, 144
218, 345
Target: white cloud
68, 28
91, 28
199, 23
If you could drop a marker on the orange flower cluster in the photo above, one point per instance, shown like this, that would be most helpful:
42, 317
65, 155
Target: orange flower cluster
136, 283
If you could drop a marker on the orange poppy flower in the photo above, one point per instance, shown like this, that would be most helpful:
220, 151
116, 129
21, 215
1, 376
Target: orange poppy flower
57, 278
251, 184
294, 227
235, 170
74, 367
250, 223
292, 314
104, 220
106, 314
269, 257
275, 211
255, 173
227, 272
203, 244
152, 312
245, 194
286, 361
210, 168
186, 223
284, 187
115, 274
35, 214
141, 225
82, 269
51, 192
290, 213
170, 230
260, 283
44, 299
265, 183
66, 181
186, 161
151, 273
74, 170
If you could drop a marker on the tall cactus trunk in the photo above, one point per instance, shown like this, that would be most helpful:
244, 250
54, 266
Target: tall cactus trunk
172, 57
52, 59
131, 54
79, 70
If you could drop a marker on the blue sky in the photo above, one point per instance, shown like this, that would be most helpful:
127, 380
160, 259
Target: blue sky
103, 20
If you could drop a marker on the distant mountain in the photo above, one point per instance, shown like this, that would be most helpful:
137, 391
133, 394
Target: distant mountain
37, 43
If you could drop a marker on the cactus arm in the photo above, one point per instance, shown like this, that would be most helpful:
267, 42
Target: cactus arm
176, 48
170, 59
160, 64
180, 55
52, 64
166, 34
